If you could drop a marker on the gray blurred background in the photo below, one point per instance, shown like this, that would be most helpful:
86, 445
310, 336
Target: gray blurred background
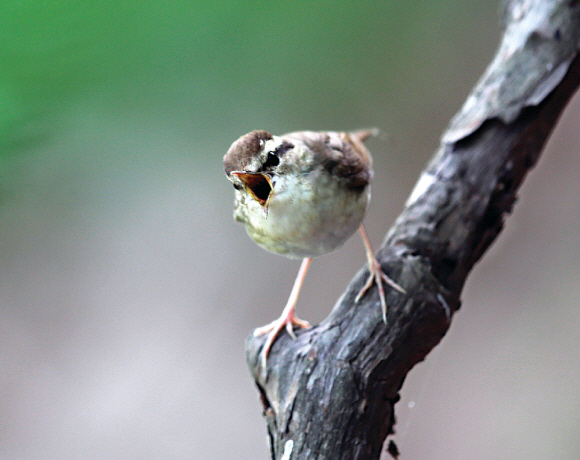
126, 288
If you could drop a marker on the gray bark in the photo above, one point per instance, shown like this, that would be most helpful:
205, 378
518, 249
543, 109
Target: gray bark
330, 393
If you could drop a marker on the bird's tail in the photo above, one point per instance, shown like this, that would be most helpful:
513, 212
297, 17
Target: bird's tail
363, 134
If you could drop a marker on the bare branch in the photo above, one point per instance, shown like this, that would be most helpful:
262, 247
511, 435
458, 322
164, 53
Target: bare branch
330, 393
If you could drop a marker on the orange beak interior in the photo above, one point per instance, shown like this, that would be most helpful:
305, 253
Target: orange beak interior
258, 185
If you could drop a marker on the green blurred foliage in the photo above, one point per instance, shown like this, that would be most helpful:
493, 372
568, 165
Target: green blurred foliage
315, 64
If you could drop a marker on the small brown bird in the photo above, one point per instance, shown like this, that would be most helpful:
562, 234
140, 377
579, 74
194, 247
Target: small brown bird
302, 195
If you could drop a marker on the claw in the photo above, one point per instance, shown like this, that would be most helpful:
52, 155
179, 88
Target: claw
376, 275
274, 328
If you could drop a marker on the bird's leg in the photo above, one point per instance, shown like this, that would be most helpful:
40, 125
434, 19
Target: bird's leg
376, 275
287, 319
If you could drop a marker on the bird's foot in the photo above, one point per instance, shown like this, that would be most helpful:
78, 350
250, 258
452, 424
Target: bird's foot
287, 321
377, 276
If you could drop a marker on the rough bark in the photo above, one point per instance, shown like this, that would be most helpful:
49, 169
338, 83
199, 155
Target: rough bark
330, 394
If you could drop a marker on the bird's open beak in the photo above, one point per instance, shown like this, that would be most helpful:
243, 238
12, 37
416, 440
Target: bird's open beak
258, 185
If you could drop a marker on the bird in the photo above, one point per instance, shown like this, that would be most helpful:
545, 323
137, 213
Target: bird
302, 195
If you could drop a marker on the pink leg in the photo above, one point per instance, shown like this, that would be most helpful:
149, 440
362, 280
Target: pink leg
287, 319
376, 275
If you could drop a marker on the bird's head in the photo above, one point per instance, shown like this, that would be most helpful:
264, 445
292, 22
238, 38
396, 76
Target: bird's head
252, 163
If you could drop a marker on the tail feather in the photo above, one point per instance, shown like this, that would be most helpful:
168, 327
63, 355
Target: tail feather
363, 134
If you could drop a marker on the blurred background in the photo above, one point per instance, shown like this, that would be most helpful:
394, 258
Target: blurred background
126, 289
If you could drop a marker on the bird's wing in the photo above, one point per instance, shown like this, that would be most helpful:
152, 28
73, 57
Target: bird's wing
342, 154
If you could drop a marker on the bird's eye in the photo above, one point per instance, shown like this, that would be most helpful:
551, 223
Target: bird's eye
237, 186
272, 160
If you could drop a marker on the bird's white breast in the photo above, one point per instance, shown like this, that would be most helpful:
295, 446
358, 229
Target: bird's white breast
309, 214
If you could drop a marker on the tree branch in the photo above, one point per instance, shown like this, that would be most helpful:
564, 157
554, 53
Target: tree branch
330, 393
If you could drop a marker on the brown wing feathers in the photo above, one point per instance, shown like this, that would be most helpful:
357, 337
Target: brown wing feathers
342, 154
